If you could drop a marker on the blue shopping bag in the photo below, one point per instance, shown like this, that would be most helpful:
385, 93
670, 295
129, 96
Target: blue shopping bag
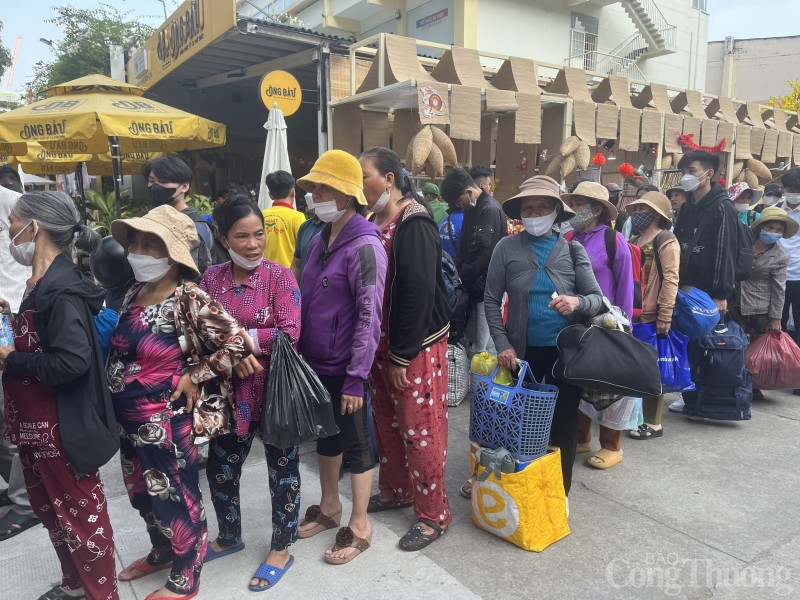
696, 314
673, 358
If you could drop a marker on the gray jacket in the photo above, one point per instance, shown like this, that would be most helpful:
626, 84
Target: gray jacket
513, 270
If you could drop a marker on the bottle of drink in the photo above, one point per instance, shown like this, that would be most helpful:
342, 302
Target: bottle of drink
6, 333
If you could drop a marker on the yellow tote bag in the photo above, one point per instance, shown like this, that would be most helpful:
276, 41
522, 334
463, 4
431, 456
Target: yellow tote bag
527, 508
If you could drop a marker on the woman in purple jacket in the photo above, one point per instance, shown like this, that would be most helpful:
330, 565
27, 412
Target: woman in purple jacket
342, 299
592, 229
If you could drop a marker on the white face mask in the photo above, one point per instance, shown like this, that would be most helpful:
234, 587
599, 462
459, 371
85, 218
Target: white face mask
148, 269
242, 262
690, 183
381, 203
310, 201
792, 199
771, 200
741, 208
327, 211
537, 226
23, 253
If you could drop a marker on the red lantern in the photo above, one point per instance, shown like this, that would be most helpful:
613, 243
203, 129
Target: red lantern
599, 159
723, 182
626, 169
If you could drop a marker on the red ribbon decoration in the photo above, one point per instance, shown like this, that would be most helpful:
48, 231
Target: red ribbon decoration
686, 140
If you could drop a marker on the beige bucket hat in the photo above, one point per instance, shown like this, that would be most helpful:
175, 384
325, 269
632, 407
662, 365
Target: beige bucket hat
543, 186
774, 213
658, 202
593, 191
172, 227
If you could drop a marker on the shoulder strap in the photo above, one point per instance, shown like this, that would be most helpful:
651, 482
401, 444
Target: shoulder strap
450, 230
610, 236
569, 235
656, 257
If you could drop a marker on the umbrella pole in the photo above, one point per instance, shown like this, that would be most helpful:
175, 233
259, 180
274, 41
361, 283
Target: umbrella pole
81, 192
116, 165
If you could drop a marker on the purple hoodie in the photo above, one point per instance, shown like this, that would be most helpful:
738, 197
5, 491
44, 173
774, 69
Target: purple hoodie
342, 303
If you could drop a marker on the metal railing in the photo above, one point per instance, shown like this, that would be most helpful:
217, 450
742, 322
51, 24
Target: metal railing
631, 46
607, 64
660, 22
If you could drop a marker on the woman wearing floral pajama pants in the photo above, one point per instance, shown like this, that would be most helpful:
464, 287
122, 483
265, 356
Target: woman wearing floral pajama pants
409, 376
154, 386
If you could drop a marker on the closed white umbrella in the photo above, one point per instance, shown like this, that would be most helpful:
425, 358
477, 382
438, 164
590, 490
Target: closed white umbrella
276, 153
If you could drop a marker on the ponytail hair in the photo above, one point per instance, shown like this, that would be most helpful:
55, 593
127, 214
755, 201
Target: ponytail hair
55, 212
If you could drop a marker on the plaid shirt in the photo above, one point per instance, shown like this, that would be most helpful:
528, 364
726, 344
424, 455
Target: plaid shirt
268, 301
763, 293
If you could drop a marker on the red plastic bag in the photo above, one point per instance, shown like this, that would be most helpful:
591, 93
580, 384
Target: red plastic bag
773, 360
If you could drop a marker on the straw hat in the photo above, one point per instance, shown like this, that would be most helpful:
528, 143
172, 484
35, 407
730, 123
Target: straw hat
338, 170
175, 229
773, 213
658, 202
593, 191
737, 189
542, 186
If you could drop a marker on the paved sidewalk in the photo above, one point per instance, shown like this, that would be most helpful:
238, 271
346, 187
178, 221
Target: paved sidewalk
709, 510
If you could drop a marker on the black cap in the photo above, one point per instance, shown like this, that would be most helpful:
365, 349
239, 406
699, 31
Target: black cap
773, 189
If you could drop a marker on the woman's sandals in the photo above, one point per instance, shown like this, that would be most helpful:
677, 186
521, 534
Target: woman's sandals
323, 522
345, 538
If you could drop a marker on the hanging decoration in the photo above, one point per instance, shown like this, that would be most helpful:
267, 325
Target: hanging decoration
599, 159
723, 182
687, 141
626, 169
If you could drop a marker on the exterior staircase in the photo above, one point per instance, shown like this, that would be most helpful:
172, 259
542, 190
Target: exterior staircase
655, 36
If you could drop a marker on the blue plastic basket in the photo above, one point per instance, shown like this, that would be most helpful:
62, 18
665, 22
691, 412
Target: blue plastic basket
517, 418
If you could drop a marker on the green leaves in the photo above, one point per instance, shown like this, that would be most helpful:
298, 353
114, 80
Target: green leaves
104, 209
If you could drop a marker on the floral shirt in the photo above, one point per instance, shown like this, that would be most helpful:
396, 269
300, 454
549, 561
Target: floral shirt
267, 301
145, 361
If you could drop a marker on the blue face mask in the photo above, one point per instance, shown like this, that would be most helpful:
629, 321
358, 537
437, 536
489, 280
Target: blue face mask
769, 238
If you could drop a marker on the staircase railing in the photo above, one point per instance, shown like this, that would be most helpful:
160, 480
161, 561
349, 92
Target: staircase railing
630, 46
660, 22
606, 64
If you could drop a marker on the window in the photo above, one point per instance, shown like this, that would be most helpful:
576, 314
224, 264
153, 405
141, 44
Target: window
583, 40
700, 5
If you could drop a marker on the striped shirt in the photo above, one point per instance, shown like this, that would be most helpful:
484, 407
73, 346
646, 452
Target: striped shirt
13, 276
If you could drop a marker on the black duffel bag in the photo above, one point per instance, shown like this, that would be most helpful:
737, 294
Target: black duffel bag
607, 360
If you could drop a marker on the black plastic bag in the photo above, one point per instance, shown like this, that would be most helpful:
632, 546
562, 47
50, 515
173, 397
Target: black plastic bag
297, 407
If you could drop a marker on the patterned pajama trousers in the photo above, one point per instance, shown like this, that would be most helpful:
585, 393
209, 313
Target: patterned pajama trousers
226, 456
159, 467
412, 433
76, 516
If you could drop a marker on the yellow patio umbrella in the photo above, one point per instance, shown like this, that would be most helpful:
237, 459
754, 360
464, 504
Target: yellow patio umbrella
97, 114
42, 161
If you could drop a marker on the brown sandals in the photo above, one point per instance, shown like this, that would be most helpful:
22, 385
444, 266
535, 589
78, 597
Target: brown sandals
378, 503
345, 538
323, 522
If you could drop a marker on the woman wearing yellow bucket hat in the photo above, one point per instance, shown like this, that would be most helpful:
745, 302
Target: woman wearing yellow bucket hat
343, 283
171, 336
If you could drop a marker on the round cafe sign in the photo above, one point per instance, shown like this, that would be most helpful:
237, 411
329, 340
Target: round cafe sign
283, 88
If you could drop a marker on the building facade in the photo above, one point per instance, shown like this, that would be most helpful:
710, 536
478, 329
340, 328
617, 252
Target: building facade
755, 69
662, 41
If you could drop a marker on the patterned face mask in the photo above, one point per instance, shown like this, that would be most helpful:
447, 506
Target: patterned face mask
641, 221
582, 219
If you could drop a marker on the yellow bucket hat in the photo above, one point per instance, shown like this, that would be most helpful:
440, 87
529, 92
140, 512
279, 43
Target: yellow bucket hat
338, 170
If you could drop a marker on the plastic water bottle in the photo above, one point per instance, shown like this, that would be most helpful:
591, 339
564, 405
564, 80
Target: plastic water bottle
6, 333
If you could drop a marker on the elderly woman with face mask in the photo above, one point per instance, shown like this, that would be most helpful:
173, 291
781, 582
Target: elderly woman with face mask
57, 407
264, 298
343, 285
549, 283
171, 337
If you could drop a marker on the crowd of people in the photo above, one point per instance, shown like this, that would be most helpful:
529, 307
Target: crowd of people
358, 290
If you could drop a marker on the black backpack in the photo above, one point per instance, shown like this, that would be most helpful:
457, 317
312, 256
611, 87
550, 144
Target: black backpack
202, 253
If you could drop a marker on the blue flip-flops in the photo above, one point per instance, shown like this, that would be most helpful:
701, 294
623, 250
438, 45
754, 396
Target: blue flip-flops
212, 554
271, 573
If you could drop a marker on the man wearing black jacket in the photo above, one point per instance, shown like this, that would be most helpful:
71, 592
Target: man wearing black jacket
707, 232
484, 226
